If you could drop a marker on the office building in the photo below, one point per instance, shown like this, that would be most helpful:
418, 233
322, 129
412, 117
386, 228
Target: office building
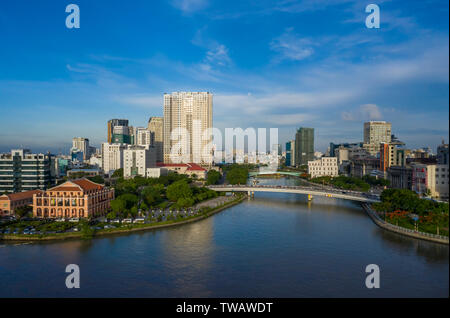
304, 146
376, 132
325, 166
442, 154
156, 127
288, 162
391, 155
142, 137
21, 171
82, 145
113, 123
112, 157
137, 159
333, 147
123, 135
80, 198
188, 115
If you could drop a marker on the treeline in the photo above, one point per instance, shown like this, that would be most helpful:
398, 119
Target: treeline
236, 173
343, 182
405, 208
174, 191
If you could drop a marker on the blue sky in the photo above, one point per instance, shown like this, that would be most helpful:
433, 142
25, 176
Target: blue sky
280, 64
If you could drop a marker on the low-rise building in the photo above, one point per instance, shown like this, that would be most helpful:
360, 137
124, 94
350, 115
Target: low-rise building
363, 167
156, 172
189, 169
325, 166
80, 198
400, 177
10, 202
432, 179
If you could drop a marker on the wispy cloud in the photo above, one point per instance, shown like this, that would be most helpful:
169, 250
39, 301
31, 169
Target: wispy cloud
291, 47
363, 113
189, 6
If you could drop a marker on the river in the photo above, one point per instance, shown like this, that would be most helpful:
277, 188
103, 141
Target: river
273, 245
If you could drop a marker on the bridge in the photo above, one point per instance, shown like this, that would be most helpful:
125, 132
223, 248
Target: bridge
309, 191
261, 173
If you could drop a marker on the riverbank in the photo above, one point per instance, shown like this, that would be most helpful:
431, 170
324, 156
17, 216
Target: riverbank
401, 230
129, 229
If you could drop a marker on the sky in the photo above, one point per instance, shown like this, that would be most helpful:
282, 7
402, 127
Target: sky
275, 64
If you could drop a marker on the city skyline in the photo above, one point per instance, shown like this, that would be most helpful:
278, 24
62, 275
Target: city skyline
285, 72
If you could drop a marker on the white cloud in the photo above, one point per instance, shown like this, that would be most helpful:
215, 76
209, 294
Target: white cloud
363, 113
291, 47
190, 6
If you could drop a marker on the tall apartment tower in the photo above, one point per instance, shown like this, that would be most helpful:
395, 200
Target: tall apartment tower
156, 129
304, 146
82, 144
375, 133
188, 115
113, 123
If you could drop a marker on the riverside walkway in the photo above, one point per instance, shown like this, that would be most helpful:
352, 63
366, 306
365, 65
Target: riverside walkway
308, 190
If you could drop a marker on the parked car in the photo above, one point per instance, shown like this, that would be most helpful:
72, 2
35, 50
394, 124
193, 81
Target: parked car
127, 221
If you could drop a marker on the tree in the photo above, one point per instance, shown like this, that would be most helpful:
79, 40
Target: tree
23, 211
118, 205
129, 199
152, 194
111, 215
177, 190
237, 175
213, 177
118, 173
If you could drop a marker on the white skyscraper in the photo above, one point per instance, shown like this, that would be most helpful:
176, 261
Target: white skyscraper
137, 159
187, 116
112, 157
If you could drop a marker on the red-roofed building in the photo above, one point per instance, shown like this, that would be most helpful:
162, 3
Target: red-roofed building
10, 202
80, 198
188, 169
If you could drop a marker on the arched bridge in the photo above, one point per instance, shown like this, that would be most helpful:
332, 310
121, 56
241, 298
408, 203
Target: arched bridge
310, 191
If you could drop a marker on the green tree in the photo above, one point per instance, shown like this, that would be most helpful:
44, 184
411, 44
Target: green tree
118, 205
213, 177
118, 173
177, 190
23, 211
237, 175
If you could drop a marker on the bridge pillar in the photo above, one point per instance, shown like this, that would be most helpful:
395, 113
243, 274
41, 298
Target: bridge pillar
310, 197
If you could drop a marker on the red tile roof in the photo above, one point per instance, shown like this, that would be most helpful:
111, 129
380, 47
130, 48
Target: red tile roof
78, 185
190, 166
87, 185
20, 195
195, 167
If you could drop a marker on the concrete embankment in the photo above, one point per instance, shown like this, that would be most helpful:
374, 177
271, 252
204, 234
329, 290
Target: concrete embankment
401, 230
